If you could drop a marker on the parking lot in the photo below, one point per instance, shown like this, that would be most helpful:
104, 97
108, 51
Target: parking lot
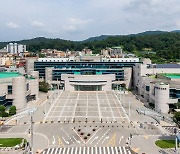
86, 107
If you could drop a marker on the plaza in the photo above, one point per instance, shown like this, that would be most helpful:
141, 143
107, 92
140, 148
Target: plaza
87, 107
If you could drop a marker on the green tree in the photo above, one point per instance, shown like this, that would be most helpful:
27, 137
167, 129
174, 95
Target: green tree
12, 110
44, 86
41, 55
176, 118
2, 111
177, 105
2, 108
5, 114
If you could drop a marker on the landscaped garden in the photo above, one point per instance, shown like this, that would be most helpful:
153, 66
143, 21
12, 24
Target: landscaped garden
165, 143
11, 142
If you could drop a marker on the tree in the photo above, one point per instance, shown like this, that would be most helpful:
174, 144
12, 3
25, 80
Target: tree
177, 105
2, 111
12, 110
44, 86
5, 114
2, 108
176, 118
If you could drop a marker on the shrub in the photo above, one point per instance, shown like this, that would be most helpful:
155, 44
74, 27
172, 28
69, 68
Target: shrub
5, 114
2, 108
12, 110
2, 111
43, 86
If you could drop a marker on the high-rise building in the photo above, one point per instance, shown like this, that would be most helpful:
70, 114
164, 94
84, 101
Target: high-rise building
15, 48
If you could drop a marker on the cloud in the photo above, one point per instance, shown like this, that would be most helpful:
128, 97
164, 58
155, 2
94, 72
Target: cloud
78, 21
12, 25
37, 24
75, 24
177, 23
70, 28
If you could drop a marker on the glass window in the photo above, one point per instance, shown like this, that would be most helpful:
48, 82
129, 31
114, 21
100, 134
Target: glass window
9, 89
147, 88
27, 87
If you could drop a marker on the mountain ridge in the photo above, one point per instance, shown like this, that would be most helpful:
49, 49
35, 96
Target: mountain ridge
93, 38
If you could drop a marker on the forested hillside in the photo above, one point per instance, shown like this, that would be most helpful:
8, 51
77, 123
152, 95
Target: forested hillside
159, 46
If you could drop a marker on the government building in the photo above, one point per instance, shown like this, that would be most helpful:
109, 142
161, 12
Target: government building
92, 74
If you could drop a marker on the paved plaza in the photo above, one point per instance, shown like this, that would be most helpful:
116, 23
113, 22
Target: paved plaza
87, 107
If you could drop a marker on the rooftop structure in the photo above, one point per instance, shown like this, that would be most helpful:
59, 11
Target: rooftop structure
172, 76
167, 65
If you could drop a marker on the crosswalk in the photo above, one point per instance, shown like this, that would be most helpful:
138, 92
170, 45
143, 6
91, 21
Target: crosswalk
170, 129
88, 150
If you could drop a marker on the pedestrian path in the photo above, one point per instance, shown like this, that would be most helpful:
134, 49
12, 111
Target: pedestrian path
88, 150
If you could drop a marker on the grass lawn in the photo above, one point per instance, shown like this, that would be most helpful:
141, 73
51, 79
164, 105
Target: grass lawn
10, 142
165, 143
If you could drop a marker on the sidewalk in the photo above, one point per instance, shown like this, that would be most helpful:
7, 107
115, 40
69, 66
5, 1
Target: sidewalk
146, 144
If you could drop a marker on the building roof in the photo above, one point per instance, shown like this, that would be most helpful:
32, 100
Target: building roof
167, 65
172, 76
9, 75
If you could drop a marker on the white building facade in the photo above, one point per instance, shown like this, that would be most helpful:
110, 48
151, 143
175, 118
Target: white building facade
18, 90
155, 89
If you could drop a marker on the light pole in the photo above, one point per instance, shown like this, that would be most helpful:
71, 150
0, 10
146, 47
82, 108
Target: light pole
130, 137
129, 104
124, 99
120, 91
176, 142
31, 114
175, 132
46, 105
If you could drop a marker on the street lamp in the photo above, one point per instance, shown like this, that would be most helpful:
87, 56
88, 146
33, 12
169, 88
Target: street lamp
124, 99
176, 140
46, 105
129, 104
31, 114
120, 91
130, 137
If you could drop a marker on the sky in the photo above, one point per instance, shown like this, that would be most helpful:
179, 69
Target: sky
81, 19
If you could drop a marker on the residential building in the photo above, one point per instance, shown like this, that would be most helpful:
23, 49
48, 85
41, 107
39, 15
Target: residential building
15, 48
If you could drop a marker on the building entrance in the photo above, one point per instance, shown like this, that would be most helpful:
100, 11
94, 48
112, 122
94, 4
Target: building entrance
88, 88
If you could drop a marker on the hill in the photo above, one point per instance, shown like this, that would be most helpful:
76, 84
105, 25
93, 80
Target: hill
165, 45
97, 38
